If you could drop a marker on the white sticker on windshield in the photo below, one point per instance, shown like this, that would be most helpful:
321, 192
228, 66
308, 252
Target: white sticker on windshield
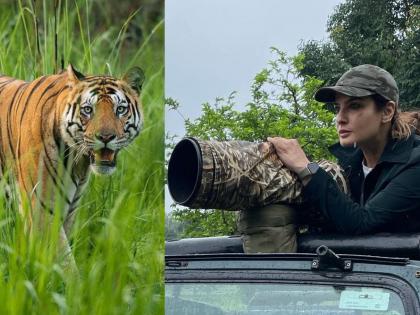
370, 300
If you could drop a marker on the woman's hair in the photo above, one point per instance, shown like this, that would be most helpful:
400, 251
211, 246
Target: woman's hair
402, 123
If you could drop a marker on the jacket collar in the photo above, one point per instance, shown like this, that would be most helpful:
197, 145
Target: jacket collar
347, 155
395, 151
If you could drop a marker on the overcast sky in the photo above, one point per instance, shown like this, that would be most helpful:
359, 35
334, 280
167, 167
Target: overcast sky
214, 47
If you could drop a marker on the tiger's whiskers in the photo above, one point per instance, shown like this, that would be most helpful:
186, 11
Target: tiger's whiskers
81, 150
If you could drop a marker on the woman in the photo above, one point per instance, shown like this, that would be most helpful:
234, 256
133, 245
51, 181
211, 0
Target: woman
377, 150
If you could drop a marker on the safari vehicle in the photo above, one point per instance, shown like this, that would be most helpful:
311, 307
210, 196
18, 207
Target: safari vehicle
367, 275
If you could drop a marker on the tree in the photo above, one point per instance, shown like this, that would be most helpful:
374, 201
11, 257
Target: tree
282, 104
381, 32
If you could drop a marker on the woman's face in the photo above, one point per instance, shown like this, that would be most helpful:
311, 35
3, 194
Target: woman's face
357, 120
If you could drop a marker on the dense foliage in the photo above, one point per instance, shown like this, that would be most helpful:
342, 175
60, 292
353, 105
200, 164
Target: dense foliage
380, 32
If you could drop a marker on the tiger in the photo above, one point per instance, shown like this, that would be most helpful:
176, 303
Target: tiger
58, 129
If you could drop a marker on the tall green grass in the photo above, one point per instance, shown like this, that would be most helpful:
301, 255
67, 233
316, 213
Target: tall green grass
118, 235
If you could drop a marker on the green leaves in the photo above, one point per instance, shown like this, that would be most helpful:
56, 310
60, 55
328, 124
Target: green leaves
380, 32
218, 121
203, 223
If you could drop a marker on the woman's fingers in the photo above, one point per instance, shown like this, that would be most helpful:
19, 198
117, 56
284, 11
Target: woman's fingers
283, 144
290, 152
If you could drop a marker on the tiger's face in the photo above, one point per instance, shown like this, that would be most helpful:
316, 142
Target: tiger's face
103, 116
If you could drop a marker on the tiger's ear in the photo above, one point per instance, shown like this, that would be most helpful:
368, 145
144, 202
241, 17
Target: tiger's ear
135, 78
74, 75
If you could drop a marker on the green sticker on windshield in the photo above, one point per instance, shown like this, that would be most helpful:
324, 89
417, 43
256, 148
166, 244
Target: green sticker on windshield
370, 300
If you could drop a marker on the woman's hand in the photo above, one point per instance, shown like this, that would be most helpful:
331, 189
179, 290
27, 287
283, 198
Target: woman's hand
290, 153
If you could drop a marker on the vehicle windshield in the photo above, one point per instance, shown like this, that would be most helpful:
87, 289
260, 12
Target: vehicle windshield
257, 298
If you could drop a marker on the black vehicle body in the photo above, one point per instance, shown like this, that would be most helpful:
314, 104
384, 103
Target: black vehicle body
380, 262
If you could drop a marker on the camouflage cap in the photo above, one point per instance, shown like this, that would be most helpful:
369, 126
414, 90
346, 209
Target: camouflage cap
360, 81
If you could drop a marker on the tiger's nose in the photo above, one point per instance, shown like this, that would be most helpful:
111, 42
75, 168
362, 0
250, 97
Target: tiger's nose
105, 138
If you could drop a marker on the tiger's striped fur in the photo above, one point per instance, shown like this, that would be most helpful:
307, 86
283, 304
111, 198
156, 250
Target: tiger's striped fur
56, 128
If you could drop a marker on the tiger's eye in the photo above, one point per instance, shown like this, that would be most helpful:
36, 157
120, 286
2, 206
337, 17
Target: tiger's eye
121, 110
86, 110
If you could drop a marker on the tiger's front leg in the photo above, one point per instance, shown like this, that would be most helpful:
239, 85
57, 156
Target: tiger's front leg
45, 201
40, 222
